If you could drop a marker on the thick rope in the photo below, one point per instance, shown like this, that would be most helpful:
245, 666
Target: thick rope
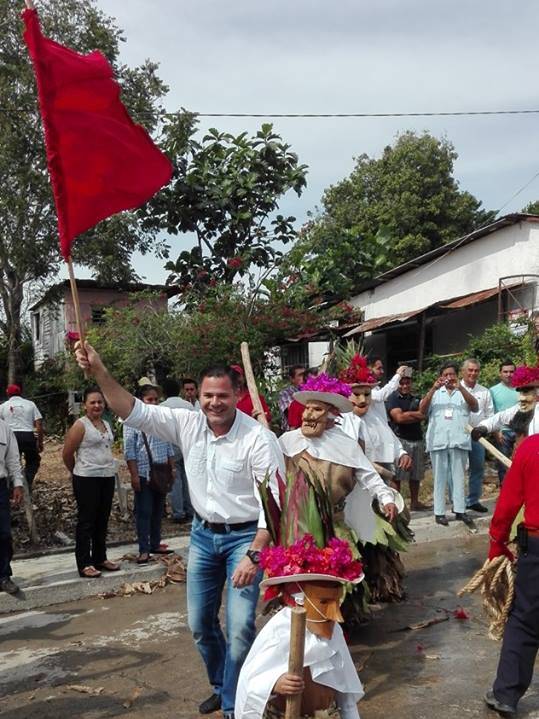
496, 579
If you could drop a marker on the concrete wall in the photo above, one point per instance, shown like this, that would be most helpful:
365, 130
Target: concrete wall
470, 268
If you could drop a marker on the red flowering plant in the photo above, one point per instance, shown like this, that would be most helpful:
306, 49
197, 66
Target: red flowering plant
525, 376
358, 372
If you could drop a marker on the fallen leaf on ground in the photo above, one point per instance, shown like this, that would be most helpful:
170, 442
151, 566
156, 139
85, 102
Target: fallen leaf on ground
128, 703
361, 666
422, 625
84, 689
432, 656
461, 613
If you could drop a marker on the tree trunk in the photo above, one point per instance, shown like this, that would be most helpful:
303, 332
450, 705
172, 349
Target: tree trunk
11, 291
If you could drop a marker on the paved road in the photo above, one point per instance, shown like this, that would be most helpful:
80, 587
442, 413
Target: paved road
136, 653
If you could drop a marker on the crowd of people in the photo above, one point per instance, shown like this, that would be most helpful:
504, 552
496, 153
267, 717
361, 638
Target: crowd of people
351, 437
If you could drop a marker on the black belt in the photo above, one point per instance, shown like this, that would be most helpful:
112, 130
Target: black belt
223, 527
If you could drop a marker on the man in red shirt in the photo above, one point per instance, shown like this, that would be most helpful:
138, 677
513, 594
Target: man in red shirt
521, 636
245, 403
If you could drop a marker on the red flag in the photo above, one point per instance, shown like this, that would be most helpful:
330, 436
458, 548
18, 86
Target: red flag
99, 161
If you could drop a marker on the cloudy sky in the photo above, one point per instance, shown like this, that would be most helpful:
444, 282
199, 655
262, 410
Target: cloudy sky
315, 56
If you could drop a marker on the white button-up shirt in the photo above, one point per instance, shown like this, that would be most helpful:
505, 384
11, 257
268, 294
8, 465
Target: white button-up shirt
222, 472
484, 400
380, 395
10, 463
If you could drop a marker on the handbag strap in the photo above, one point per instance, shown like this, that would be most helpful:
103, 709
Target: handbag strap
147, 444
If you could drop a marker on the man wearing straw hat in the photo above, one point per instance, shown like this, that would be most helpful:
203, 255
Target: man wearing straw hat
521, 635
226, 453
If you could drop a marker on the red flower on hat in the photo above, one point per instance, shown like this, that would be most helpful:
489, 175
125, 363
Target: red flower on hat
358, 372
525, 376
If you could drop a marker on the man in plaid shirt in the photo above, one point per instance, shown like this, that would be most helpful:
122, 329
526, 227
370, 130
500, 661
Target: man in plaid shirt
296, 374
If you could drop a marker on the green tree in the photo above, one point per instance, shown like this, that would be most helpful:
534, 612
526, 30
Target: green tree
29, 251
389, 210
532, 208
226, 191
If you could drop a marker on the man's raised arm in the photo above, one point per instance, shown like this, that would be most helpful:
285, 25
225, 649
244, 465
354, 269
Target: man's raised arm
118, 399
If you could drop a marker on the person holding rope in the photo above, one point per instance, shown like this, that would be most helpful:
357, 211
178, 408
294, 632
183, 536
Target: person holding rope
521, 635
226, 453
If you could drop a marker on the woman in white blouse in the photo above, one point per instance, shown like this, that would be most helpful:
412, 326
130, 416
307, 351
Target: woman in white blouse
88, 456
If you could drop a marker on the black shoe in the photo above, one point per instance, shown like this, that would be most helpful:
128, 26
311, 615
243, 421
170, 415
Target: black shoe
211, 704
503, 709
478, 507
441, 519
6, 585
463, 517
228, 715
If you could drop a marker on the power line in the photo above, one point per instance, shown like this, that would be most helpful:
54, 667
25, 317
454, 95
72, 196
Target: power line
456, 113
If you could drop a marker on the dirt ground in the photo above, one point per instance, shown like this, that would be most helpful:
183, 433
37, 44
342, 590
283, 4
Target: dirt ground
55, 509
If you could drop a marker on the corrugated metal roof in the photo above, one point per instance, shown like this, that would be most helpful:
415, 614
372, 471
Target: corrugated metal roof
476, 297
377, 322
450, 304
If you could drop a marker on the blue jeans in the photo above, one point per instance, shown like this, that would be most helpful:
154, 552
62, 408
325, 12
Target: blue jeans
477, 473
448, 467
6, 545
148, 512
179, 494
212, 561
505, 447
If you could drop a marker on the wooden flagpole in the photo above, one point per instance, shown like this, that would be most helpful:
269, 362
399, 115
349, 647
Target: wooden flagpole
295, 658
76, 304
251, 384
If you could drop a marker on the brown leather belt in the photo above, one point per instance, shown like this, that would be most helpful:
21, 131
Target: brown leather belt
223, 528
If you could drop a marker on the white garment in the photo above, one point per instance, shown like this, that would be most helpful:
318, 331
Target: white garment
335, 446
222, 472
380, 395
94, 454
484, 400
499, 420
20, 414
328, 659
10, 462
381, 444
178, 403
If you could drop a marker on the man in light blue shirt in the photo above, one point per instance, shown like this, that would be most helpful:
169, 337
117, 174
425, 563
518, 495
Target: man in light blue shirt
504, 396
448, 405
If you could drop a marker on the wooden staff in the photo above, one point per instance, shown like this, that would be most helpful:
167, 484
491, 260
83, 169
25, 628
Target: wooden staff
76, 303
251, 384
494, 451
295, 659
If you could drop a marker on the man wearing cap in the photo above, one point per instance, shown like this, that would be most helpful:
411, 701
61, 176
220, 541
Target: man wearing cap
226, 453
25, 420
10, 473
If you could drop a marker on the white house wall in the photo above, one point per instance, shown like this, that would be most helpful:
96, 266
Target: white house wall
471, 268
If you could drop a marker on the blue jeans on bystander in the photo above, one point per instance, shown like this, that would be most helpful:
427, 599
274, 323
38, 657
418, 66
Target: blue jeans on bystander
212, 561
6, 545
148, 512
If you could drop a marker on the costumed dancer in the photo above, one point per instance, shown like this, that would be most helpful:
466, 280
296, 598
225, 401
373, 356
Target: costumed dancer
521, 635
321, 448
523, 416
368, 427
306, 566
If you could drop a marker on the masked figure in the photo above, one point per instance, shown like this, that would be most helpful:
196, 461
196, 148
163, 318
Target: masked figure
307, 566
320, 447
526, 381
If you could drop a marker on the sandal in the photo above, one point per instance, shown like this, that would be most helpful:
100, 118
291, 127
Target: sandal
108, 566
162, 551
143, 558
90, 572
